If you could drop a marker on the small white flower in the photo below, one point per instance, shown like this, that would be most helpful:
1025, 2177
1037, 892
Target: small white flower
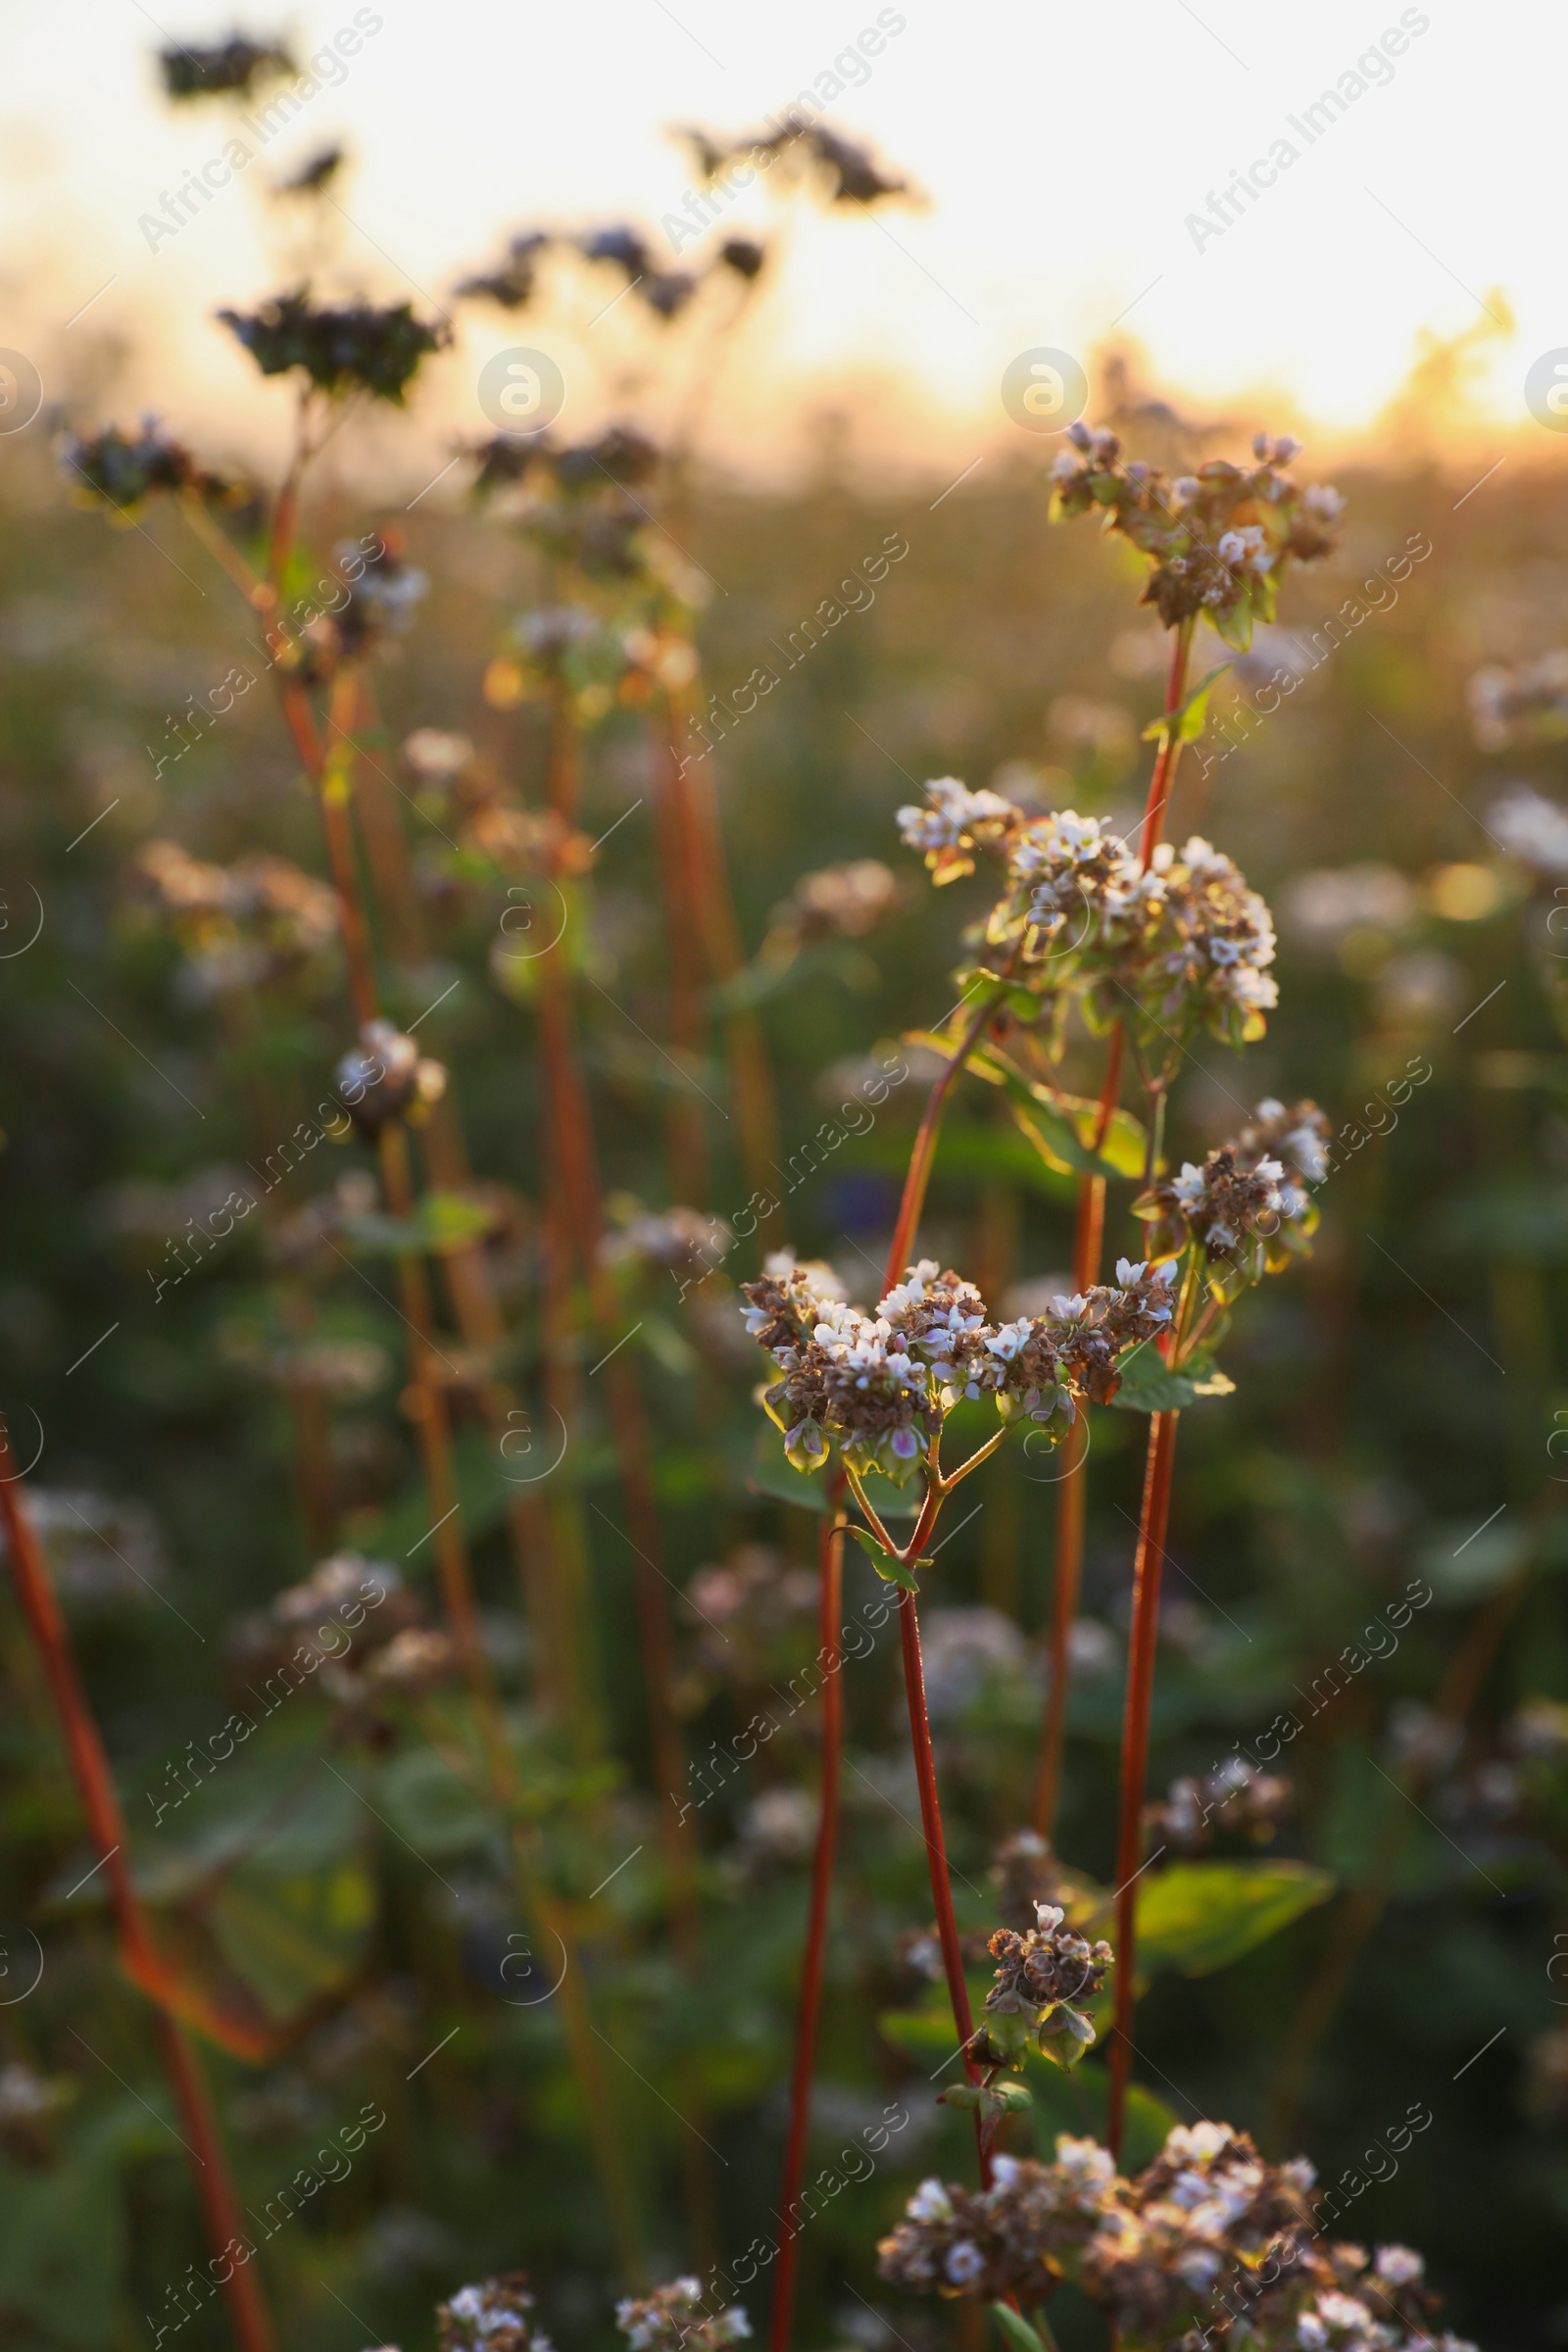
1189, 1187
1323, 502
930, 2203
966, 2263
1398, 2266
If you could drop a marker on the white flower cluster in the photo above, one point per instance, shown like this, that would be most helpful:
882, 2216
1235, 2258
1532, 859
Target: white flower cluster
954, 823
1303, 1136
1526, 704
953, 810
882, 1384
1075, 869
491, 2317
1210, 942
1245, 549
663, 2322
1533, 829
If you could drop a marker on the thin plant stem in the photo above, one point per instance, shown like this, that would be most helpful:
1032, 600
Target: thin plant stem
918, 1174
695, 806
575, 1189
937, 1854
1149, 1560
214, 2188
571, 1138
329, 766
1163, 781
543, 1546
1072, 1492
681, 879
830, 1571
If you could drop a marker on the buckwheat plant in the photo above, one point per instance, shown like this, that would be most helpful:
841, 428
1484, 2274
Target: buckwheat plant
1147, 946
667, 2319
1209, 2245
879, 1387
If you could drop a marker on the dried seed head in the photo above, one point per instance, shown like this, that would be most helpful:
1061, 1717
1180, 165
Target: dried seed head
386, 1077
1216, 540
1046, 1975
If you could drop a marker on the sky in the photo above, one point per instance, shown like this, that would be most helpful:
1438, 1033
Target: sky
1069, 162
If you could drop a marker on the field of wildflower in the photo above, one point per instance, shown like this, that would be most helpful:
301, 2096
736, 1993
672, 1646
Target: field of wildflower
781, 1426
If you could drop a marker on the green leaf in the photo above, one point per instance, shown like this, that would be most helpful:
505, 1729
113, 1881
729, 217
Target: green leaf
771, 1474
1201, 1916
444, 1222
1189, 720
985, 2098
883, 1561
293, 1941
1017, 2333
1234, 623
1062, 1127
1466, 1563
426, 1802
1149, 1386
63, 2230
927, 2034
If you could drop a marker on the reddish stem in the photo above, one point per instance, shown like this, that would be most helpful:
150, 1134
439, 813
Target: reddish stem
830, 1560
1072, 1493
926, 1151
89, 1765
1159, 1464
937, 1854
1163, 780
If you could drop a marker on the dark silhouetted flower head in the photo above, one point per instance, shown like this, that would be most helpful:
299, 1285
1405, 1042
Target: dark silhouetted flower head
121, 472
514, 279
354, 347
317, 176
233, 69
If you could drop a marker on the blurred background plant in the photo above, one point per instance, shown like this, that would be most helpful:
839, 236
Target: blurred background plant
661, 957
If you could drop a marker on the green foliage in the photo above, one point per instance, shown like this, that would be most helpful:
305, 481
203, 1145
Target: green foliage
1202, 1916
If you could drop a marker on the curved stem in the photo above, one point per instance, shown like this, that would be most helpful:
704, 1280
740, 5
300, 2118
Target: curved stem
830, 1561
980, 1454
937, 1852
872, 1516
925, 1151
89, 1765
1151, 1555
